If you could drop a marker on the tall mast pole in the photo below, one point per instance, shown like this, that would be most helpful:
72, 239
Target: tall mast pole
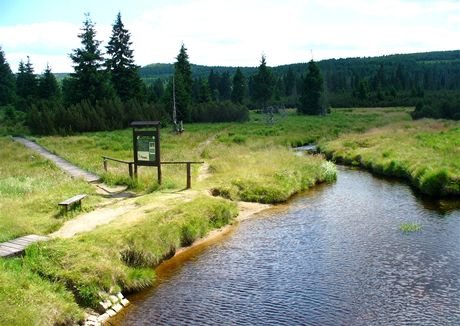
174, 104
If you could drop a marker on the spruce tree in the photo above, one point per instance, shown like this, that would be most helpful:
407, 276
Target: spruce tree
183, 85
120, 63
213, 82
239, 87
7, 82
312, 92
48, 88
263, 83
290, 82
26, 85
90, 82
225, 87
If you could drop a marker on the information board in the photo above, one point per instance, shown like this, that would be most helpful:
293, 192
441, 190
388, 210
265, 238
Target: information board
146, 148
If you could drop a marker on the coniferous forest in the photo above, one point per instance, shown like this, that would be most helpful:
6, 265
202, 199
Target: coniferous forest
107, 90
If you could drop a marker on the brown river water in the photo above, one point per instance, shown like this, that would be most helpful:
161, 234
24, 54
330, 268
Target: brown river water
334, 255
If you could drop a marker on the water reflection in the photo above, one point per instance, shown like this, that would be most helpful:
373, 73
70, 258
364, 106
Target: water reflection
334, 256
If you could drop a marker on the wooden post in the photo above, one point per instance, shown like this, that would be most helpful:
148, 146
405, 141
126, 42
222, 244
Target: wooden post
159, 173
130, 168
105, 165
135, 170
189, 176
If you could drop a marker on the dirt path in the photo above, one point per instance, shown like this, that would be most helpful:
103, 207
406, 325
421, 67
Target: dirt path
124, 211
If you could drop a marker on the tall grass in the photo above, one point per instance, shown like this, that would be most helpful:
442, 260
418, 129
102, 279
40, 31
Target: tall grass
28, 299
251, 146
30, 189
120, 257
426, 152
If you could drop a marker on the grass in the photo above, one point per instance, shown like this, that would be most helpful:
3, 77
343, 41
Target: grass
425, 152
28, 299
120, 257
253, 146
410, 227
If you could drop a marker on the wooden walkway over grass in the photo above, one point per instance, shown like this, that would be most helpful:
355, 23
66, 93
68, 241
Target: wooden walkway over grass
17, 246
64, 165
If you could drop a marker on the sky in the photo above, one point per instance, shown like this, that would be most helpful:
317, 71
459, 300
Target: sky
230, 33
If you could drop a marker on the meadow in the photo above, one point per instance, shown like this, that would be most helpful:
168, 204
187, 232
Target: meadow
424, 152
252, 161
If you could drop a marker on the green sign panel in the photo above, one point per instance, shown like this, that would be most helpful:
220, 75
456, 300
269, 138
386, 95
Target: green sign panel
146, 148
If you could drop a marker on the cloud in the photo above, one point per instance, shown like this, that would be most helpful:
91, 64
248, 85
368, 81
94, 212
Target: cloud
219, 32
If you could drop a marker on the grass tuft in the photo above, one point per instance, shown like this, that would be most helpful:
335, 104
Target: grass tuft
410, 227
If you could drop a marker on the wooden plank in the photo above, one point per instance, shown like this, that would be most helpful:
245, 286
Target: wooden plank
182, 162
35, 237
17, 246
5, 252
21, 242
12, 246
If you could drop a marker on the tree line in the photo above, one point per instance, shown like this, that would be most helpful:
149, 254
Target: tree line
106, 91
429, 80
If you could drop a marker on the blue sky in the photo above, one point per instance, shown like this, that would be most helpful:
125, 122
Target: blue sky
235, 32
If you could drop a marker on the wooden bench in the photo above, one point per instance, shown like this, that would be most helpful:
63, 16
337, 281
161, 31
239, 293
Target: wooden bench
75, 200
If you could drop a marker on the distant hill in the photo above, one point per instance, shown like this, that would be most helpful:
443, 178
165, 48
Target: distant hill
415, 65
165, 70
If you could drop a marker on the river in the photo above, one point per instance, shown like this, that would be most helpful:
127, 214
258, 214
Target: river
333, 256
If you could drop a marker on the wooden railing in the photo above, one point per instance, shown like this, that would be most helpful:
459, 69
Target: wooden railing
188, 167
133, 172
130, 164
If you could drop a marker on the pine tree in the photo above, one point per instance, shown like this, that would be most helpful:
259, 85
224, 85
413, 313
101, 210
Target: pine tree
26, 85
290, 82
90, 82
7, 82
263, 83
183, 85
239, 87
213, 82
205, 93
225, 87
48, 88
123, 71
312, 92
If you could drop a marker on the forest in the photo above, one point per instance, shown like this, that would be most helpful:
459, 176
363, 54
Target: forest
107, 90
428, 80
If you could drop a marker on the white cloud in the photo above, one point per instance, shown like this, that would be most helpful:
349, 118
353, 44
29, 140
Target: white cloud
219, 32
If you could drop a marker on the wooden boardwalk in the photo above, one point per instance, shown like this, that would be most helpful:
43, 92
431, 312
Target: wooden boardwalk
64, 165
17, 246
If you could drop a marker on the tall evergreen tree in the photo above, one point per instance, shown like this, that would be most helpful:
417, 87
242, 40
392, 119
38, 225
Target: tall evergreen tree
312, 93
225, 87
213, 82
290, 82
239, 87
120, 63
89, 82
183, 85
263, 83
7, 82
26, 85
48, 88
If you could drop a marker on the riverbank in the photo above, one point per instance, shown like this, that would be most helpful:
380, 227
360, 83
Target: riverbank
424, 152
334, 255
